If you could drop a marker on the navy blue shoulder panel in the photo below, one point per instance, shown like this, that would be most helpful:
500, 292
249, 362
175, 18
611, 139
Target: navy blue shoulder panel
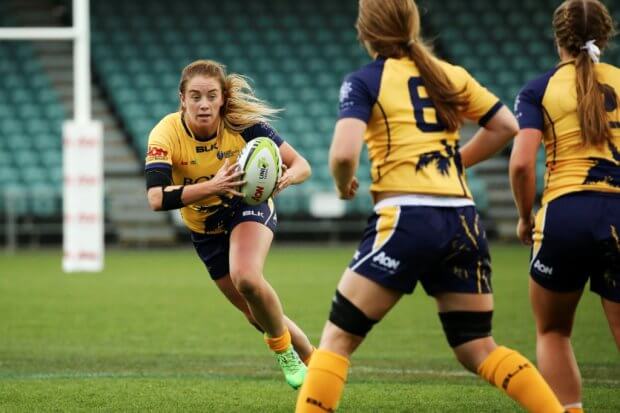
261, 130
528, 105
360, 90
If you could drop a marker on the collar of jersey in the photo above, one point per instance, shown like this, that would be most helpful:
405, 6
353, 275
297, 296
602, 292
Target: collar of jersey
565, 62
196, 137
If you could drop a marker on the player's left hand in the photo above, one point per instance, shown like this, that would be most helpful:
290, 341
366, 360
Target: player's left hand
286, 179
525, 228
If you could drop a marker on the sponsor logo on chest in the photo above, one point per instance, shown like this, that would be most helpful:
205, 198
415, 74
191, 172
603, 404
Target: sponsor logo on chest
206, 148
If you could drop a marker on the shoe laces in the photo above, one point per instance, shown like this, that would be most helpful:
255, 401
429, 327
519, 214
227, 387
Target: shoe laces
289, 359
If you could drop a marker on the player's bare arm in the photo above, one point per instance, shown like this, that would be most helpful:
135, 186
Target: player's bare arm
344, 155
225, 182
491, 138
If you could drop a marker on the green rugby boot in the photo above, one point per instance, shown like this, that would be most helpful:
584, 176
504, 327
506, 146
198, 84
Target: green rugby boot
293, 368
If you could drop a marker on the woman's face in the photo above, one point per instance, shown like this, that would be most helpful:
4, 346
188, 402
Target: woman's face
201, 102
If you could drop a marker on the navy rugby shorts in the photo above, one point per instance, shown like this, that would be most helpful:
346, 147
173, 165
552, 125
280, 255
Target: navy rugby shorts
213, 248
576, 238
445, 248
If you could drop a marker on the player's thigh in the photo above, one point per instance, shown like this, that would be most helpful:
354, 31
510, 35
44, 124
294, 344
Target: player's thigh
249, 246
372, 298
612, 311
554, 311
447, 302
359, 303
251, 233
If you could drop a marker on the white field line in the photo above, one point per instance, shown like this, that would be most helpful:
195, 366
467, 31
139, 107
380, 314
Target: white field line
255, 369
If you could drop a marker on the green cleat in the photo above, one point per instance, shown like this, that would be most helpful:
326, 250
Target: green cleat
293, 368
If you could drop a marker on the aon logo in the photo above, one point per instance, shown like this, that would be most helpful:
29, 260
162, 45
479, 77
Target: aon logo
543, 268
386, 261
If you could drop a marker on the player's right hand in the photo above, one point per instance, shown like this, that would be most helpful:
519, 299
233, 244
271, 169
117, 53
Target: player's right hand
525, 229
227, 180
350, 191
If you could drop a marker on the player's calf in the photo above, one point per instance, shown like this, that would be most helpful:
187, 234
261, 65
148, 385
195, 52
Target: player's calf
504, 368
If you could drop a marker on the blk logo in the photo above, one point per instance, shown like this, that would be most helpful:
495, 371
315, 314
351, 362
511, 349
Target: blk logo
207, 148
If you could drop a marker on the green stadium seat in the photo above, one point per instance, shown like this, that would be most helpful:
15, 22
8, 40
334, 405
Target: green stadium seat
14, 198
8, 174
45, 200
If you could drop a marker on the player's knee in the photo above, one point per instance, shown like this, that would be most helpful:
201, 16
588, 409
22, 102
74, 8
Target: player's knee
461, 327
348, 317
559, 325
558, 330
247, 285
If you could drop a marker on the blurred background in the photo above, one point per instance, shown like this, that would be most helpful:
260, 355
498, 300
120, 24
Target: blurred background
152, 333
296, 53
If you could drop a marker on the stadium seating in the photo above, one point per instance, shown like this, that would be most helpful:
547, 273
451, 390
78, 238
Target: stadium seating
296, 54
30, 130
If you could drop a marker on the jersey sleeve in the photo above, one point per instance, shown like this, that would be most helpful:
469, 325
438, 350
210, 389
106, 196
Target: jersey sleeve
482, 105
528, 110
158, 150
528, 104
356, 101
262, 129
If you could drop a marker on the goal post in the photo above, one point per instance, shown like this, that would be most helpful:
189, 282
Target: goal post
82, 143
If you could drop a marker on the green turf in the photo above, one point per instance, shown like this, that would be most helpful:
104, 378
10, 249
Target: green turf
152, 333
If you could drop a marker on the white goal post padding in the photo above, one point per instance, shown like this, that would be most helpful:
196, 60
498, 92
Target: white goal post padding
83, 235
83, 232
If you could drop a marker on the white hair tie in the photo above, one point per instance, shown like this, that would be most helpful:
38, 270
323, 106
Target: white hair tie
593, 51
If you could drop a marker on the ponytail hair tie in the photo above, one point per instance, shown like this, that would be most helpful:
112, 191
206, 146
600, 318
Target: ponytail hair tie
593, 51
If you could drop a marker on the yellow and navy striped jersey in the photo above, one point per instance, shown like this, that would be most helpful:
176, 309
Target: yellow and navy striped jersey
174, 151
549, 104
409, 148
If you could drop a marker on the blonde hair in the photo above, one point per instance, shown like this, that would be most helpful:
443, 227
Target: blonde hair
392, 29
241, 108
576, 22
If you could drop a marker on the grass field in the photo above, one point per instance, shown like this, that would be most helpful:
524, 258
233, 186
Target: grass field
151, 333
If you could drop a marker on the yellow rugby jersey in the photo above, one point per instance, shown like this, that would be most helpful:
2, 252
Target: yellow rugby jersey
549, 104
173, 151
409, 148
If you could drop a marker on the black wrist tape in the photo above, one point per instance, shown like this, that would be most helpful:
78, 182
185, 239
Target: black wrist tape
172, 199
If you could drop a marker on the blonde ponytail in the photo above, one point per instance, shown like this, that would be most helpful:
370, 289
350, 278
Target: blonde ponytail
242, 108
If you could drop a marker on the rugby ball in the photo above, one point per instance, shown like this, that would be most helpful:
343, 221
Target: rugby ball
261, 163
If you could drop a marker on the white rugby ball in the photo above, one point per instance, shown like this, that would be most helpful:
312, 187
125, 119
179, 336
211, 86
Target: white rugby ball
262, 165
